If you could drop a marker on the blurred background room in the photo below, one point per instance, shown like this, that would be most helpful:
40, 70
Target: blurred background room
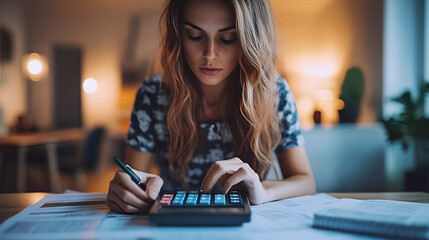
70, 69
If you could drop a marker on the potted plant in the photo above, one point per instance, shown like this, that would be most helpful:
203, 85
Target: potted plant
351, 94
411, 128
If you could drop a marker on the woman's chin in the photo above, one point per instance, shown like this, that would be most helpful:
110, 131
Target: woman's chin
210, 81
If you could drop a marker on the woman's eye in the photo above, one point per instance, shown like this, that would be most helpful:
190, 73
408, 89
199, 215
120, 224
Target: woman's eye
227, 41
228, 38
196, 38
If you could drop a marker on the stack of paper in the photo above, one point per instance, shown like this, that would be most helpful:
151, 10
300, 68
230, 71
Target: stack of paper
376, 217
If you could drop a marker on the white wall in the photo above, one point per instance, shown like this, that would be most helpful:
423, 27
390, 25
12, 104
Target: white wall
426, 48
402, 51
13, 88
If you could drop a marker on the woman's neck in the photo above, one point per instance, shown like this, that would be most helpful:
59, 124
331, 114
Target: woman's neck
211, 100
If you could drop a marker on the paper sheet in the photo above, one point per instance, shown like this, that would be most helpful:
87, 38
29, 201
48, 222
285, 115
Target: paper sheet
86, 216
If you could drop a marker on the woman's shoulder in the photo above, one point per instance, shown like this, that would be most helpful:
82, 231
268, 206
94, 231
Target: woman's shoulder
284, 95
151, 84
282, 85
151, 92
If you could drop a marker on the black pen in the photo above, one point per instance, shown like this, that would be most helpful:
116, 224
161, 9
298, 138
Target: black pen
130, 172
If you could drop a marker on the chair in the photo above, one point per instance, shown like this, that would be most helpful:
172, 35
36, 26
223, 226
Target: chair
90, 154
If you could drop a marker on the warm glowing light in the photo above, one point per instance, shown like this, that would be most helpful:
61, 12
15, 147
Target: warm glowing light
90, 85
306, 109
340, 104
317, 66
34, 66
321, 70
325, 95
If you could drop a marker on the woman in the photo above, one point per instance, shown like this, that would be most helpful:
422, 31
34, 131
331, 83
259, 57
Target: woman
217, 111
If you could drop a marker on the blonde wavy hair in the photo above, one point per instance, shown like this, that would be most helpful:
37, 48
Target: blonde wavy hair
255, 125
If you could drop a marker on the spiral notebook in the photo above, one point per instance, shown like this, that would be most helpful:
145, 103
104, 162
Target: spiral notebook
376, 217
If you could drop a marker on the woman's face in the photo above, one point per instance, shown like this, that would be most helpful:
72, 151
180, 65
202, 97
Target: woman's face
210, 41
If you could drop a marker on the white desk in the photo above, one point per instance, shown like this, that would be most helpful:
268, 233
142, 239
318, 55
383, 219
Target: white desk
137, 226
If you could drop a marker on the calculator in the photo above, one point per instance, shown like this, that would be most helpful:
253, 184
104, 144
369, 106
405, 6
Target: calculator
196, 208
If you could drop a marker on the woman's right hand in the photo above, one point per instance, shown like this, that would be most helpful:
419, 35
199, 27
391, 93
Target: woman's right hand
125, 196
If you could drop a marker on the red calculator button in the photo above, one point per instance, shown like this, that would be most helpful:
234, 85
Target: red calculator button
164, 202
167, 197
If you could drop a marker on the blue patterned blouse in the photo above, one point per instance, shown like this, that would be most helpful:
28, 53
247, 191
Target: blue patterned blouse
148, 132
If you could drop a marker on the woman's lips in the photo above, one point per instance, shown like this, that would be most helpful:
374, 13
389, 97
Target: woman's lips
210, 71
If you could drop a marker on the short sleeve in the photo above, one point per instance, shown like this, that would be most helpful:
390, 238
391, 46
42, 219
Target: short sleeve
291, 135
141, 134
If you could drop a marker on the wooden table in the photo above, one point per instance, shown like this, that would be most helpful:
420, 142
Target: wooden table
13, 203
48, 139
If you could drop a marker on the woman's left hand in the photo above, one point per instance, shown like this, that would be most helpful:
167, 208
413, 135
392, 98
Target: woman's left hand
231, 172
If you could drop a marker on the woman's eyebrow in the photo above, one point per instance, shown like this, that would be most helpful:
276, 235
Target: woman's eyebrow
200, 29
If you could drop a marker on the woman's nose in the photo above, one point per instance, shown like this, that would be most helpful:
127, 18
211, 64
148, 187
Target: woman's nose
210, 52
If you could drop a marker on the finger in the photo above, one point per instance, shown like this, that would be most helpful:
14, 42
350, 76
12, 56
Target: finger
235, 178
109, 201
128, 197
153, 183
222, 180
214, 167
125, 181
219, 172
234, 160
207, 176
113, 206
126, 208
153, 186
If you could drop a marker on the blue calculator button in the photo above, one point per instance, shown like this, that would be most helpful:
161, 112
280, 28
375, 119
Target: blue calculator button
219, 199
205, 199
191, 202
205, 196
178, 202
